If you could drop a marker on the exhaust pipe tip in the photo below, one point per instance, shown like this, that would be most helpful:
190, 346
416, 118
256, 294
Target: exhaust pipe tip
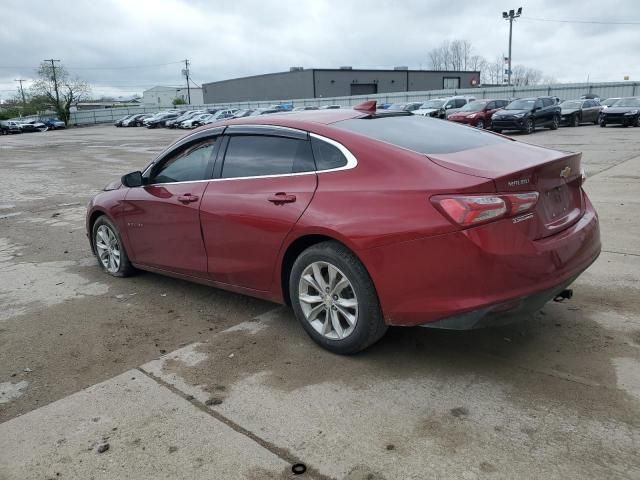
566, 294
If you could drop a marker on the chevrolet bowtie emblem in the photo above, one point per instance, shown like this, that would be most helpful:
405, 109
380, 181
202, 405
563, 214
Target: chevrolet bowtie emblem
565, 172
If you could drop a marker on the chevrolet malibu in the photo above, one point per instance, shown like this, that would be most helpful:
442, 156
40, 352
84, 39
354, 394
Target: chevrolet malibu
359, 219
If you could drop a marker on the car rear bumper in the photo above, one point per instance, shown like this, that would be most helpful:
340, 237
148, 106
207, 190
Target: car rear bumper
477, 272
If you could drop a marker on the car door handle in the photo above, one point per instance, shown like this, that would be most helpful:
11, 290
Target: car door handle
282, 197
188, 198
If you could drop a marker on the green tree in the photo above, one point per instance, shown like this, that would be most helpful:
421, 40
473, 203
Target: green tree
59, 89
179, 101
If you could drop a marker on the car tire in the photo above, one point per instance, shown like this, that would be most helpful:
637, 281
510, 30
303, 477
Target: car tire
575, 121
480, 124
109, 249
343, 321
530, 126
555, 123
636, 121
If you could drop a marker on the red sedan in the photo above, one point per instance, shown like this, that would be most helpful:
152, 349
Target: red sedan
478, 113
357, 219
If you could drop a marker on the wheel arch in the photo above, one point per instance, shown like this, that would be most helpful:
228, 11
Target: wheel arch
299, 244
93, 217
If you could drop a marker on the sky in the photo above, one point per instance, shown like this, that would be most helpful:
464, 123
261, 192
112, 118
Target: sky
122, 47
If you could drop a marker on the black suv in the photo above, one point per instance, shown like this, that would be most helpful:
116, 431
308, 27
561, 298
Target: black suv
525, 114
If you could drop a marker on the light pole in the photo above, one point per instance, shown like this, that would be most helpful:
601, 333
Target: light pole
511, 15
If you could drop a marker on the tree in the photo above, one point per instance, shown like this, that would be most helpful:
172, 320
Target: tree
456, 55
179, 101
61, 91
523, 76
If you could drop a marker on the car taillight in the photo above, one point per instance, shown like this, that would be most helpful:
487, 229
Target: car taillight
468, 210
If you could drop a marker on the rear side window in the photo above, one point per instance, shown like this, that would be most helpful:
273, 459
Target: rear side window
420, 134
326, 155
547, 102
258, 155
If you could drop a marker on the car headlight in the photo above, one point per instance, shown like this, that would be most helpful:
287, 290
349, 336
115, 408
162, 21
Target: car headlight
519, 115
632, 112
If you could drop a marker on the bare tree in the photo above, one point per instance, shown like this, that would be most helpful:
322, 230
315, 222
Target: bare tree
456, 55
523, 76
61, 91
493, 72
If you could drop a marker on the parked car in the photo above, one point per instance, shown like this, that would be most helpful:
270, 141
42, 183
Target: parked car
53, 123
243, 113
161, 119
625, 112
329, 107
264, 111
221, 115
175, 123
575, 112
132, 120
33, 126
478, 113
305, 107
404, 107
139, 122
608, 102
9, 126
442, 107
196, 121
118, 123
527, 114
414, 247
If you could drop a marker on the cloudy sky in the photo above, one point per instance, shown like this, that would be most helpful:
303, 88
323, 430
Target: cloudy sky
122, 47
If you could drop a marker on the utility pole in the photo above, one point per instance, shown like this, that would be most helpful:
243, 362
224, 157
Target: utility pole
55, 80
186, 74
511, 15
24, 101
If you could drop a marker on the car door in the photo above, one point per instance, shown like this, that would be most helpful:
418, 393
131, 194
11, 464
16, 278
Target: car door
263, 184
548, 109
162, 216
589, 111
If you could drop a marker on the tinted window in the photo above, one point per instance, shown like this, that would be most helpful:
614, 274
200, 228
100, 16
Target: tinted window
491, 105
547, 102
188, 165
460, 102
257, 155
420, 134
326, 155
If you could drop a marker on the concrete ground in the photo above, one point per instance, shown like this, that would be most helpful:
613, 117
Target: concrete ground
185, 381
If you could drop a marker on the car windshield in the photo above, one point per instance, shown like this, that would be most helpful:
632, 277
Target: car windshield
438, 103
474, 107
610, 101
523, 104
627, 102
571, 104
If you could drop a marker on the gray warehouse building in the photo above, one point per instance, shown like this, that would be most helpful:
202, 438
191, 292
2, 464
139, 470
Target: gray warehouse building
321, 82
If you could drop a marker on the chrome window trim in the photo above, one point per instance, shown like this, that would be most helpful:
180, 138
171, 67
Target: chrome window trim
352, 161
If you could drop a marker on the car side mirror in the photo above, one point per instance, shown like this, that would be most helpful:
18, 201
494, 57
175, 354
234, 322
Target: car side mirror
133, 179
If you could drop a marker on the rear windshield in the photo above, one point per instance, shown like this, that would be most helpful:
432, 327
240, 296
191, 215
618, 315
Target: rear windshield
420, 134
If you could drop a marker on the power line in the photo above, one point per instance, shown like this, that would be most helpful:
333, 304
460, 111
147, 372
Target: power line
596, 22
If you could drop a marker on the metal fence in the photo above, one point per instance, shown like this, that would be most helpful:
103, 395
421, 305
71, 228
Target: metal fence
564, 91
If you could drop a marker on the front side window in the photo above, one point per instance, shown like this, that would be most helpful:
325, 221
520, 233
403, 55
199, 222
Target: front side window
188, 165
259, 155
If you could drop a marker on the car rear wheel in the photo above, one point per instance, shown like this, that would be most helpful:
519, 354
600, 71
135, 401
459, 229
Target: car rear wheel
335, 300
109, 250
480, 124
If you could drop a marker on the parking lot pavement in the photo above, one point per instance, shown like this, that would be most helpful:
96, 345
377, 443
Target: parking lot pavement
222, 377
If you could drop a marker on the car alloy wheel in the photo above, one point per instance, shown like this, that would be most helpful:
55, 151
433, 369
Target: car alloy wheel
328, 300
530, 126
107, 248
480, 124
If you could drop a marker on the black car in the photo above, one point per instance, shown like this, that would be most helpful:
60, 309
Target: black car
9, 126
575, 112
625, 112
527, 114
118, 123
160, 121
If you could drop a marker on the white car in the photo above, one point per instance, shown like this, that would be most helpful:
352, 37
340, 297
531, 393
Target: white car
196, 121
443, 107
222, 115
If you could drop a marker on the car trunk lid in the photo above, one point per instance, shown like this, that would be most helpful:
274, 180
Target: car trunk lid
519, 167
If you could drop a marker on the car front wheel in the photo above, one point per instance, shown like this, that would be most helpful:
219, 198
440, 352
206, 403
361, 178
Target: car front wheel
480, 124
109, 250
555, 123
530, 126
335, 300
575, 121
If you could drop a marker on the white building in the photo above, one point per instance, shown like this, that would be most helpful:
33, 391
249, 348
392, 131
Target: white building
163, 96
